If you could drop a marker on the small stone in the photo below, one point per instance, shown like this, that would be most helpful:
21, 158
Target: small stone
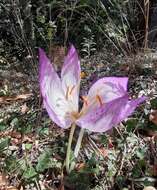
149, 188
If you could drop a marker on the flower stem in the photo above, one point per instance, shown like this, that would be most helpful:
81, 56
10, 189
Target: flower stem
77, 147
78, 144
67, 161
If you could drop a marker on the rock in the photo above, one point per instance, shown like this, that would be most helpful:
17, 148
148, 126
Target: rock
149, 188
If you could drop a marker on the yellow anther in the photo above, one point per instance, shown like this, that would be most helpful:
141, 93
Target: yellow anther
72, 89
67, 93
99, 100
85, 100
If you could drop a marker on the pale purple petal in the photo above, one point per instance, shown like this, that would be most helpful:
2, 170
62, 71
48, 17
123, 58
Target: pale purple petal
118, 81
109, 88
130, 108
70, 76
62, 122
108, 115
105, 90
46, 72
52, 93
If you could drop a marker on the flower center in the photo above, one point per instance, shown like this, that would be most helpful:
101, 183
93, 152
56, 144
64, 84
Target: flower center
88, 103
94, 100
75, 115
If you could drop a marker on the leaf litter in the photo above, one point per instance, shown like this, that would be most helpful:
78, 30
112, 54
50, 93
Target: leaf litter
33, 152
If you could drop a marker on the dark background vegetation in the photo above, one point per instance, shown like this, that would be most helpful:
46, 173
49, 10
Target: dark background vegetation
27, 25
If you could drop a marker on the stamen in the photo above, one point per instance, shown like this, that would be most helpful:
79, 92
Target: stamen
67, 93
99, 100
85, 100
72, 90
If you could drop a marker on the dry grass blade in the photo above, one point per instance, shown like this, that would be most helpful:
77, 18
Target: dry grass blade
146, 10
5, 99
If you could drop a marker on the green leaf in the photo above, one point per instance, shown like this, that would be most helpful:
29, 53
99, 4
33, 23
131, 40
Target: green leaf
13, 164
29, 173
15, 122
28, 146
41, 19
44, 161
131, 124
2, 127
4, 143
153, 103
141, 153
44, 131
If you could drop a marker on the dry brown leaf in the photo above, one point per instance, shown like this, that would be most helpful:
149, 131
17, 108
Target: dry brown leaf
154, 170
5, 133
125, 68
4, 183
16, 134
62, 182
5, 99
23, 96
15, 141
11, 188
153, 117
3, 180
28, 138
104, 152
61, 187
57, 54
82, 75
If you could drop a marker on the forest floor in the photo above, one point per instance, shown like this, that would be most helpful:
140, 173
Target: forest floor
32, 147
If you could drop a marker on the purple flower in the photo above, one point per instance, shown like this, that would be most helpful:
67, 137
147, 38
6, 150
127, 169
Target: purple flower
106, 104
